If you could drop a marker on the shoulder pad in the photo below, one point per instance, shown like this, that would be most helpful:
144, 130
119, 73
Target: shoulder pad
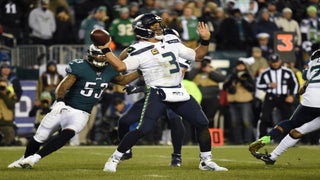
139, 51
76, 66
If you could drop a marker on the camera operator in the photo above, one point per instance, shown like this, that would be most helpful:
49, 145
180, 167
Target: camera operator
7, 104
207, 78
240, 87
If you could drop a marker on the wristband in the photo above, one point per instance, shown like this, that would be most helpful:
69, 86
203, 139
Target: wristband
105, 50
59, 99
204, 42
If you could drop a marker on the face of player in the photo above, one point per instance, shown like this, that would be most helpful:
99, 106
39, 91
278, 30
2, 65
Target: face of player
156, 27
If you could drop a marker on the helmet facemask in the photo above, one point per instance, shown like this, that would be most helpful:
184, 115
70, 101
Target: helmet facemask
93, 53
142, 26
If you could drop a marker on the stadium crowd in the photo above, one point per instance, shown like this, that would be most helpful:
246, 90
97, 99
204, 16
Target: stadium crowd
247, 25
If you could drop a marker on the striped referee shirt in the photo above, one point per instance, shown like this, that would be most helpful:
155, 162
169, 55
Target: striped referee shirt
285, 78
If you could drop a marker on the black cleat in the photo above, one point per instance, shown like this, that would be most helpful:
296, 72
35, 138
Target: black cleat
126, 156
176, 160
266, 159
257, 155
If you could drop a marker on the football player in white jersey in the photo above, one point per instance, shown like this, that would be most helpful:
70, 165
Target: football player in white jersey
308, 110
156, 55
76, 94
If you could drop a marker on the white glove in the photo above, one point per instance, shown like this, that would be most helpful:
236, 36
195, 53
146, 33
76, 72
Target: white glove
57, 107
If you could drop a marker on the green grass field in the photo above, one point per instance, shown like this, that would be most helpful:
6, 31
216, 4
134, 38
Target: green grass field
152, 162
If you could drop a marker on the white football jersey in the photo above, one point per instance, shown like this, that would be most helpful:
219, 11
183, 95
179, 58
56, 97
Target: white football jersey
311, 96
159, 62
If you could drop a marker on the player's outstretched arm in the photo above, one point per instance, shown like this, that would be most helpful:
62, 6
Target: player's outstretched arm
204, 33
126, 79
112, 59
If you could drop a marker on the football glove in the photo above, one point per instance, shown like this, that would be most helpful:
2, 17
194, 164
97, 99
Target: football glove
57, 107
134, 89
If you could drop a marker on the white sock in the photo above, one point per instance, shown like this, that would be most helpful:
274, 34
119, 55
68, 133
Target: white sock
117, 155
205, 155
36, 158
285, 143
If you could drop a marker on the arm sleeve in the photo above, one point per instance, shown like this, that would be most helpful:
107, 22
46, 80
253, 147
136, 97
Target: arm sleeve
131, 62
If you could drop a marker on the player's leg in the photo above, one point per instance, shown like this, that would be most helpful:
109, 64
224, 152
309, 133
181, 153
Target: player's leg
49, 125
301, 115
153, 108
131, 117
290, 140
191, 111
177, 135
72, 122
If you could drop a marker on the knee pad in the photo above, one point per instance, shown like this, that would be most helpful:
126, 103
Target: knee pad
295, 134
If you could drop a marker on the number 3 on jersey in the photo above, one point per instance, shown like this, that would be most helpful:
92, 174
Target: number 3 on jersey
173, 61
88, 90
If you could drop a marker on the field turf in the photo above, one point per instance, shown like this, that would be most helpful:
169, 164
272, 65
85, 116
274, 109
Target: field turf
152, 162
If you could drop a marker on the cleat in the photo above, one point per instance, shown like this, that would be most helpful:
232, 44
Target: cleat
257, 155
16, 164
266, 159
255, 146
126, 156
208, 165
111, 164
176, 160
28, 162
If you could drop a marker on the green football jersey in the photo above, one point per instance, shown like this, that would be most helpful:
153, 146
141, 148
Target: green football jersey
89, 86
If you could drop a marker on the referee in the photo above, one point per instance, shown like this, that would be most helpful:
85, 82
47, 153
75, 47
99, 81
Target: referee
281, 87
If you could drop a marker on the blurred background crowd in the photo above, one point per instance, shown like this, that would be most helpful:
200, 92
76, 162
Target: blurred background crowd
246, 29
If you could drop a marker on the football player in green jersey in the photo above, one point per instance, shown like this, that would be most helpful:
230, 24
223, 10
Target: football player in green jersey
76, 94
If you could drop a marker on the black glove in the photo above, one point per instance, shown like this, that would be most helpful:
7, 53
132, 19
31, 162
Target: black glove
134, 89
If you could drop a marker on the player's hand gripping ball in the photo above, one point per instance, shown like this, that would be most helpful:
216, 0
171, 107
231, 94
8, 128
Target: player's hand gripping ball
99, 37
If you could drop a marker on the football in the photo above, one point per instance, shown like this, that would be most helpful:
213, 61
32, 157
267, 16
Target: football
99, 37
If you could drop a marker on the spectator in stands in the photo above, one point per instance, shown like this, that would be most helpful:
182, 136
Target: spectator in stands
189, 23
260, 63
207, 17
310, 30
13, 81
235, 33
95, 20
43, 109
218, 16
240, 87
274, 14
197, 7
49, 80
208, 80
84, 8
7, 104
171, 20
134, 9
65, 32
287, 24
12, 17
121, 30
264, 45
42, 23
149, 6
264, 25
117, 8
178, 7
